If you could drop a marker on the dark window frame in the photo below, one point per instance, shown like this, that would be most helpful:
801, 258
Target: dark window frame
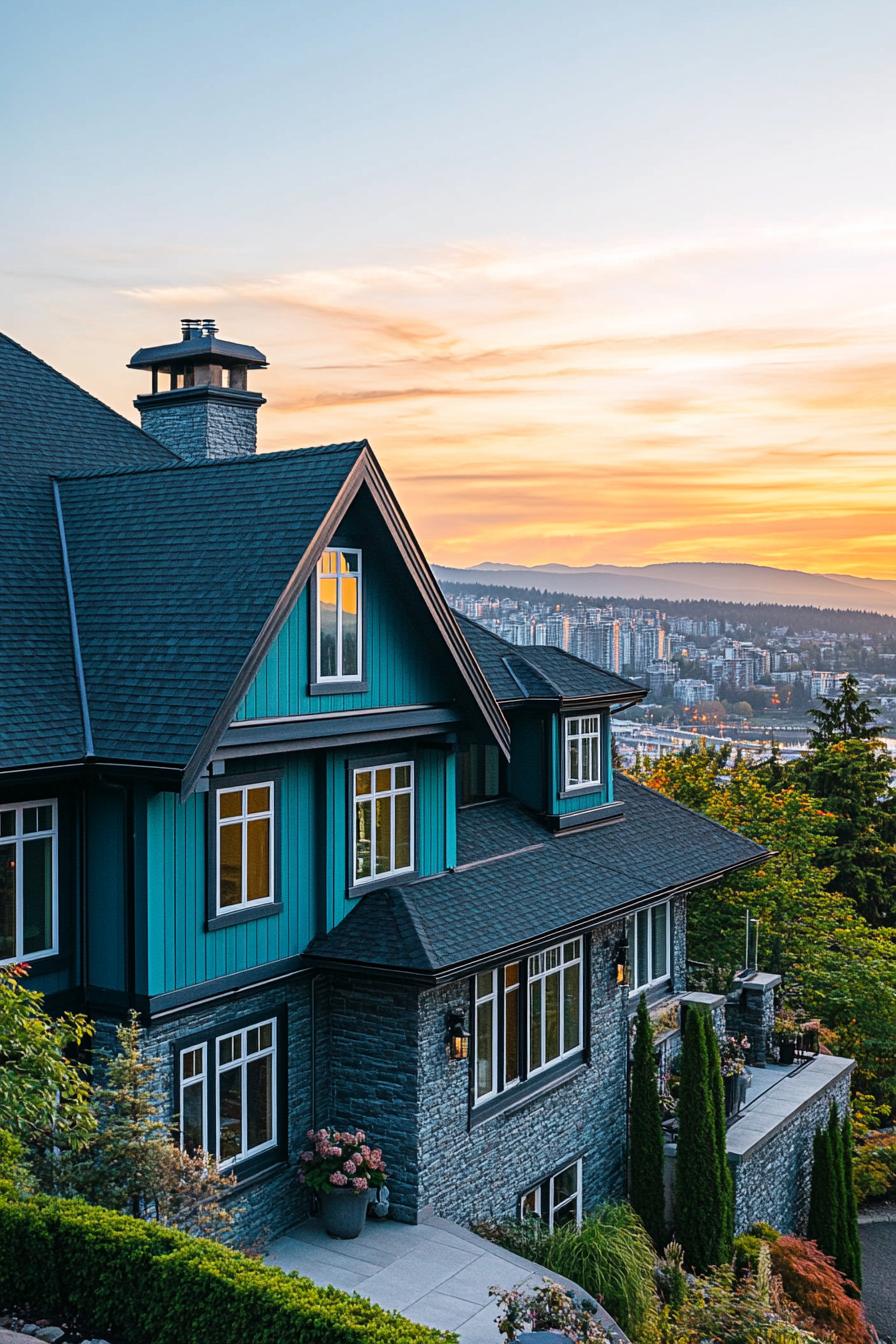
218, 919
577, 1161
582, 791
547, 1078
273, 1156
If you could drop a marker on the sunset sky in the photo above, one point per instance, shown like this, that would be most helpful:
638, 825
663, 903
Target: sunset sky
601, 282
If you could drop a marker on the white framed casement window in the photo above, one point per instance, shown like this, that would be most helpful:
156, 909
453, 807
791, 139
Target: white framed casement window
558, 1199
554, 1018
246, 1092
338, 599
584, 767
383, 821
29, 881
244, 821
193, 1110
650, 953
527, 1016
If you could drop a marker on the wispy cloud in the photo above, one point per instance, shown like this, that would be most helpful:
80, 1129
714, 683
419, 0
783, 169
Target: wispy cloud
667, 398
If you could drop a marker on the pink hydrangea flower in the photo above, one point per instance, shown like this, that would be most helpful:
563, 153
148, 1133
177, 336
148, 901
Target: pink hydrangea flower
337, 1178
359, 1183
307, 1156
349, 1167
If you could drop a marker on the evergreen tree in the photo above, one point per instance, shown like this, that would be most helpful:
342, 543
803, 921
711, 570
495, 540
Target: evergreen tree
646, 1190
841, 1227
823, 1215
852, 1266
702, 1179
843, 715
724, 1178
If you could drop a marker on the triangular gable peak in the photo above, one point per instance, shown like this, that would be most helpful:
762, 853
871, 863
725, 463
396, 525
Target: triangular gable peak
365, 491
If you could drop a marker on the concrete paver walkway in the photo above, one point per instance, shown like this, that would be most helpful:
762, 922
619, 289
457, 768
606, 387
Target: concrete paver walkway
433, 1272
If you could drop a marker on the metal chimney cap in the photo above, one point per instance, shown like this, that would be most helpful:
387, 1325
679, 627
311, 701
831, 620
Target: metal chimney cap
190, 328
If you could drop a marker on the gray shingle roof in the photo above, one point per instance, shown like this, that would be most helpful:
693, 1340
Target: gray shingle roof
516, 882
539, 672
174, 573
47, 425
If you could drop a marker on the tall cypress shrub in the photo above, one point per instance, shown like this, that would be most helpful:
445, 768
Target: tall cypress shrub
646, 1191
703, 1211
852, 1267
823, 1216
841, 1230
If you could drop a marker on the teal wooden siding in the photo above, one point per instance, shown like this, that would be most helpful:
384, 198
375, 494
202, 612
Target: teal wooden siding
404, 661
106, 886
528, 771
179, 951
579, 802
435, 813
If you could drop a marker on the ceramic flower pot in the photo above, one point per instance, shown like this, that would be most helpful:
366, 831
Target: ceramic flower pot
343, 1212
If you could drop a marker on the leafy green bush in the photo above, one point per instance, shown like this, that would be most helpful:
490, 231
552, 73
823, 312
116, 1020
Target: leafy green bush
140, 1283
610, 1255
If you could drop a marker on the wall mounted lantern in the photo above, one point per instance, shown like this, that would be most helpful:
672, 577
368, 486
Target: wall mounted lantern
620, 957
458, 1038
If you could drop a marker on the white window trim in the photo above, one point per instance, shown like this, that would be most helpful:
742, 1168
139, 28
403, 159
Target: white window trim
197, 1080
391, 793
551, 1182
339, 676
587, 785
491, 997
17, 842
224, 1163
633, 948
243, 822
577, 960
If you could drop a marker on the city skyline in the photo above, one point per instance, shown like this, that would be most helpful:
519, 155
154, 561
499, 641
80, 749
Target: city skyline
598, 291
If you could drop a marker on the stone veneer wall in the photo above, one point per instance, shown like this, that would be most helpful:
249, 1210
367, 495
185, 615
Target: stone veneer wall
267, 1204
772, 1180
480, 1172
205, 430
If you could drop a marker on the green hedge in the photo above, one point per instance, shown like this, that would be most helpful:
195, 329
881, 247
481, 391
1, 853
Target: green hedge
138, 1283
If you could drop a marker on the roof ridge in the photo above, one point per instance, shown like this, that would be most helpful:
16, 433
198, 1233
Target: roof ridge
180, 464
110, 410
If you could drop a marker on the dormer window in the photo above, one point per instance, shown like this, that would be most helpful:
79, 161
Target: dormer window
583, 752
339, 616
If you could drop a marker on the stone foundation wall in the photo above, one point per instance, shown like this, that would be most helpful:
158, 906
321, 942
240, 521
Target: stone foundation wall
772, 1180
479, 1170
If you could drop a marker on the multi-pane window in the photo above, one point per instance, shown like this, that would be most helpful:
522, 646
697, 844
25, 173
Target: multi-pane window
193, 1099
383, 806
649, 952
246, 1092
528, 1015
583, 751
339, 616
245, 830
228, 1093
558, 1199
28, 880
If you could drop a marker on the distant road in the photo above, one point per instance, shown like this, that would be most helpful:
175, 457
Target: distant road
879, 1275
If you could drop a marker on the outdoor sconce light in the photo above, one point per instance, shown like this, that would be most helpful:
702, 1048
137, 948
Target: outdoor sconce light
458, 1037
621, 959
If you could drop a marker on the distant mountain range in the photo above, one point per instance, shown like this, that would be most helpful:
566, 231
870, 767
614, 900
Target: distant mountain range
724, 582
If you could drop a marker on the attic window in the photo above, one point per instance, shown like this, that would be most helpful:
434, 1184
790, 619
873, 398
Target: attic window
339, 616
583, 752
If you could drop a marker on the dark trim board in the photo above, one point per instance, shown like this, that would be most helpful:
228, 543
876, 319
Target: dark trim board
566, 821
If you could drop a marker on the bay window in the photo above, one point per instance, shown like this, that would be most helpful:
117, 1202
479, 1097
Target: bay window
383, 821
339, 615
28, 881
528, 1015
583, 752
650, 946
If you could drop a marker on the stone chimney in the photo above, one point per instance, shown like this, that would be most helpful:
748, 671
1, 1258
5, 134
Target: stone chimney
200, 405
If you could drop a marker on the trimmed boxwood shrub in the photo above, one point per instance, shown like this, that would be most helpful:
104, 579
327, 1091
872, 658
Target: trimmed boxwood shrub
140, 1283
